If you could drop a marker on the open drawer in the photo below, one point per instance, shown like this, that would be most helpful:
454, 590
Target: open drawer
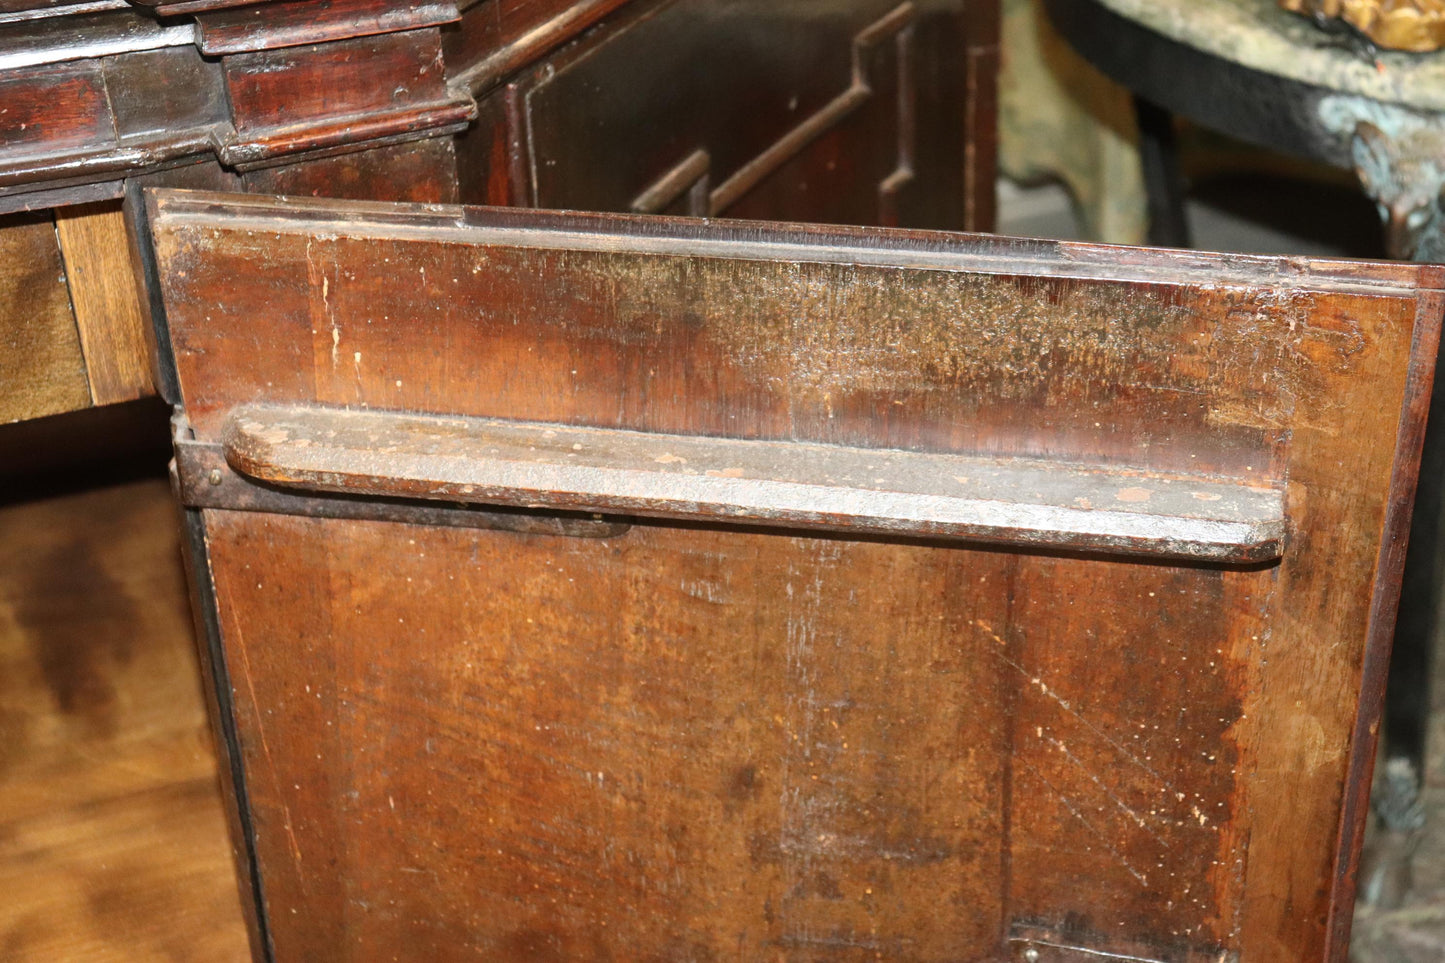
604, 587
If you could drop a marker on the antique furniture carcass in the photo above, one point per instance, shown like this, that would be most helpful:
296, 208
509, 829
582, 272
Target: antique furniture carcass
873, 111
577, 586
867, 111
597, 587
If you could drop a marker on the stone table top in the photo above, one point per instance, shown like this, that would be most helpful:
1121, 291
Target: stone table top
1259, 35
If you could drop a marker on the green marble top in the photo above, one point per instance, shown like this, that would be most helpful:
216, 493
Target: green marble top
1257, 34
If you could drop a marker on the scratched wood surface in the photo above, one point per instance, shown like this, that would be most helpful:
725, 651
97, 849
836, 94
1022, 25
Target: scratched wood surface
688, 741
112, 839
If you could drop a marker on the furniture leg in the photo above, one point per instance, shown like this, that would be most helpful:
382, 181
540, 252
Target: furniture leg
1164, 185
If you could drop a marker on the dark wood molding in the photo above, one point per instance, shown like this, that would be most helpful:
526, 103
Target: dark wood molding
95, 93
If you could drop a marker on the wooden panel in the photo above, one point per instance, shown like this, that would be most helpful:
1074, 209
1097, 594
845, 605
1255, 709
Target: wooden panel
681, 742
299, 22
499, 37
106, 301
369, 88
69, 124
423, 172
112, 834
94, 97
645, 794
54, 108
41, 365
787, 111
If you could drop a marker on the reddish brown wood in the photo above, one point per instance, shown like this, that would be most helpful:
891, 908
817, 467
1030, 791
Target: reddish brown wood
299, 22
387, 86
55, 108
691, 741
1384, 609
420, 171
174, 8
104, 94
499, 37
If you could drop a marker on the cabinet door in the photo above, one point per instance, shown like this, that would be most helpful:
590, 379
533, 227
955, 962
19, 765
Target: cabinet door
604, 587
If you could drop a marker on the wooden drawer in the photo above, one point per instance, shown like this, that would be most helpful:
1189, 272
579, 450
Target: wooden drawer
594, 587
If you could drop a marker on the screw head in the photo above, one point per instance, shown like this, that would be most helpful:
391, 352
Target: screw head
215, 476
1031, 955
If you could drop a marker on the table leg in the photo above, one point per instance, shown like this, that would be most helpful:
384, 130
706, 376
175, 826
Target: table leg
1159, 157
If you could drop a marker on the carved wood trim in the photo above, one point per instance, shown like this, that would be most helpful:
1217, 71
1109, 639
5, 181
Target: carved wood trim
499, 37
298, 23
88, 96
689, 177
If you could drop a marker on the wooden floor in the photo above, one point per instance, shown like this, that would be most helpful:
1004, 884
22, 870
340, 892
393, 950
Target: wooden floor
112, 840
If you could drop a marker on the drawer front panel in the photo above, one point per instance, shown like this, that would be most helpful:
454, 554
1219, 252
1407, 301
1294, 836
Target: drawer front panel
635, 588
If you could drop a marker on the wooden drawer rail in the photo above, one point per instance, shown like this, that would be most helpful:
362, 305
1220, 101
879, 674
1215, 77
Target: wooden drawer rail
759, 482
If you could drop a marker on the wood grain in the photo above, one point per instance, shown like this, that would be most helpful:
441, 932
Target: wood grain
374, 88
106, 301
690, 741
87, 100
298, 22
774, 484
112, 838
42, 368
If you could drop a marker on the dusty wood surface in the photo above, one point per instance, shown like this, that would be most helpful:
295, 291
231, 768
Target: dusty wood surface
879, 491
42, 369
692, 741
112, 840
106, 301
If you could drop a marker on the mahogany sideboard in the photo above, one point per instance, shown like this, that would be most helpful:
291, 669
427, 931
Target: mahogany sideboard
581, 585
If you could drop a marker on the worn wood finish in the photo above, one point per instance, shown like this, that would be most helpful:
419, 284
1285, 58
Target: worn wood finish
42, 369
419, 171
112, 834
92, 96
106, 301
777, 484
496, 38
203, 479
367, 89
688, 741
302, 22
